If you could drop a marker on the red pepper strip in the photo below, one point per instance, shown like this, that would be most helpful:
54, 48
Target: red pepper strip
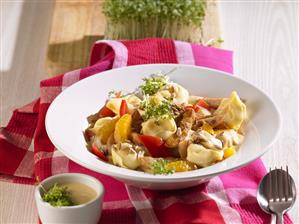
202, 103
154, 145
123, 108
98, 153
106, 112
88, 134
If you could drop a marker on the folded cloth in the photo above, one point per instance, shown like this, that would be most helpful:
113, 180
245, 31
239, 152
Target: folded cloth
26, 153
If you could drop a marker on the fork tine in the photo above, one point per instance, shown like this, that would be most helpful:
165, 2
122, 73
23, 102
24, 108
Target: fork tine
270, 186
280, 184
274, 184
288, 185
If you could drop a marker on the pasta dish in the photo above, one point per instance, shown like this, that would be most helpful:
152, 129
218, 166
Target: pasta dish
161, 128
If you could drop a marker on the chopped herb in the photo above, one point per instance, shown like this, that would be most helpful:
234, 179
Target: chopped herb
153, 84
158, 111
57, 196
111, 93
159, 167
114, 94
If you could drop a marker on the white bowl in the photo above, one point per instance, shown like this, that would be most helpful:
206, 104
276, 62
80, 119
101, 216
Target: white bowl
66, 119
89, 212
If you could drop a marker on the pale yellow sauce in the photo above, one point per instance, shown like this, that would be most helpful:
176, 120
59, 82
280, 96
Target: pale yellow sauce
80, 193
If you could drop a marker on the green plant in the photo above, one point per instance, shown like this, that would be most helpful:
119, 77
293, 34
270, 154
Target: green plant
131, 19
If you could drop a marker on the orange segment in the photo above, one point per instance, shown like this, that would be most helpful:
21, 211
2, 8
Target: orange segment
228, 152
123, 128
179, 166
208, 128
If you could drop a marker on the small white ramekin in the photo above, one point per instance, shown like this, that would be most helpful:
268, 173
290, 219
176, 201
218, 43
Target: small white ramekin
89, 212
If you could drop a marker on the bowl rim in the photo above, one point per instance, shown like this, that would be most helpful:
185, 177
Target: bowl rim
80, 176
176, 177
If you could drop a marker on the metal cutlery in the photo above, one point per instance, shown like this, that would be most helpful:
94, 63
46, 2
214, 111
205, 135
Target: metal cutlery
277, 193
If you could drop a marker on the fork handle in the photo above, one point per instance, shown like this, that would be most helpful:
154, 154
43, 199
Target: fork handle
279, 218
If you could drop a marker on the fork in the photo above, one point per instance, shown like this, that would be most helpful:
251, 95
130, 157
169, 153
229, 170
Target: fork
280, 193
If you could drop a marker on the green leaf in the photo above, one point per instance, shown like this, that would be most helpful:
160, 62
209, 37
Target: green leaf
159, 167
153, 84
157, 111
57, 196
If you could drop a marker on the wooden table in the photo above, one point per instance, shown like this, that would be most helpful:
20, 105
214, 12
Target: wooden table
263, 36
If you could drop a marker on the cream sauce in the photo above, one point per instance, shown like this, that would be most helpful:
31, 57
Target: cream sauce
80, 193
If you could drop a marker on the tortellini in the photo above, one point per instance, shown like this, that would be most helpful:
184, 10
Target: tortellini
181, 95
133, 102
175, 91
202, 156
114, 104
207, 140
232, 110
163, 128
124, 155
230, 138
103, 128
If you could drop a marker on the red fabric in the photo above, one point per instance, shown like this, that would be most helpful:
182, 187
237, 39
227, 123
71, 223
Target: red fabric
11, 161
22, 123
205, 212
150, 52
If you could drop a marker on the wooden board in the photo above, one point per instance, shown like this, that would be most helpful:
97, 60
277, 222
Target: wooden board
76, 25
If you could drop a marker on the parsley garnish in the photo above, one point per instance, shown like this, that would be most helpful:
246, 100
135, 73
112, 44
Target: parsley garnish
114, 94
159, 167
57, 196
153, 84
111, 93
158, 111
